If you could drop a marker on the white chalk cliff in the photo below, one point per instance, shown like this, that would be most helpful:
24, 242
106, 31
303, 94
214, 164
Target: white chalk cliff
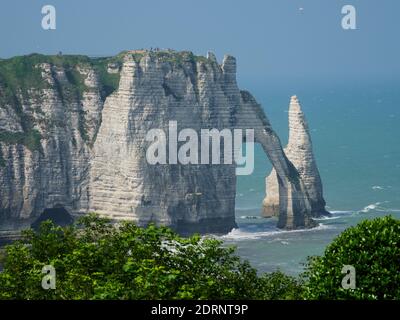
300, 152
72, 134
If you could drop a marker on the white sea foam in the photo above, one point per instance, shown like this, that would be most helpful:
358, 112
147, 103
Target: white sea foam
377, 188
327, 218
239, 234
378, 207
340, 212
373, 206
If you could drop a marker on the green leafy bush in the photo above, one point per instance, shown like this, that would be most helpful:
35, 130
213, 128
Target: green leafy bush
279, 286
95, 260
373, 249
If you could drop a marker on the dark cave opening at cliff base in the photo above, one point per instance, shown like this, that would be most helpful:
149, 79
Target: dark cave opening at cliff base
58, 215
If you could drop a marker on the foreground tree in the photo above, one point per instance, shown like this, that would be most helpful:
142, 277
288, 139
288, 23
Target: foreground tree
96, 260
373, 249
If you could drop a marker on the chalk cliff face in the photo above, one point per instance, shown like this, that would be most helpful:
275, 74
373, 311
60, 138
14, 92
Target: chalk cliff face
44, 159
72, 134
299, 152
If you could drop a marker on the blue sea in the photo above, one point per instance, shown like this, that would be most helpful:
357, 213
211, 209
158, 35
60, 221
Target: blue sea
355, 128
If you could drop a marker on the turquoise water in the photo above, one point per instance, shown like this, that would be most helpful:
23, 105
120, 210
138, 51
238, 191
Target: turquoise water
355, 131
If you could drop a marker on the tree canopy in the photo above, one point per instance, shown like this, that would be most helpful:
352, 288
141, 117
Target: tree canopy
94, 259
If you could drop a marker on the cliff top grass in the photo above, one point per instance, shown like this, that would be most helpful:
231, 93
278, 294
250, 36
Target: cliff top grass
168, 55
21, 73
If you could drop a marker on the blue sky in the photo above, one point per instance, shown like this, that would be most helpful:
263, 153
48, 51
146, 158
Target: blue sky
271, 39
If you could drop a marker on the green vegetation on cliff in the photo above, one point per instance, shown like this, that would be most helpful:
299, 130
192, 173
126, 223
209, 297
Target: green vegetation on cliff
30, 139
21, 83
109, 81
20, 74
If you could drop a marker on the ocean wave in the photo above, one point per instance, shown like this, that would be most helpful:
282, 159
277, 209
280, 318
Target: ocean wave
372, 206
377, 206
341, 212
239, 234
326, 218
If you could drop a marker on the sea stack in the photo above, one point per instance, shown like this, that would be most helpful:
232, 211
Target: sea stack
300, 153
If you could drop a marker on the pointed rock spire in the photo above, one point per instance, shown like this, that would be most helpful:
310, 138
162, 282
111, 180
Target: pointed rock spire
299, 151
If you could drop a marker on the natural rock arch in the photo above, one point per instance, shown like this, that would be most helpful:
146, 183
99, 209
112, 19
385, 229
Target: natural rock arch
201, 95
294, 204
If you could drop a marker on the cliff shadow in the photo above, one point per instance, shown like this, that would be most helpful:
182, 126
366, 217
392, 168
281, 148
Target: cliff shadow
58, 215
